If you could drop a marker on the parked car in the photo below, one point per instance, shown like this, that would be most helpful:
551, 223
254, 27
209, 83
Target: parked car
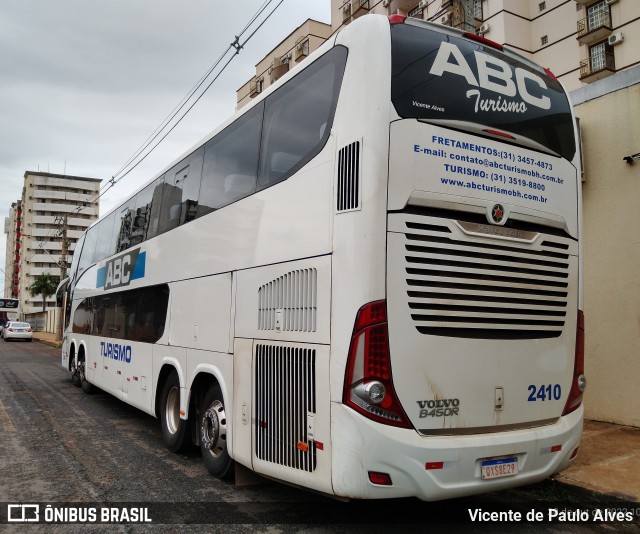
16, 330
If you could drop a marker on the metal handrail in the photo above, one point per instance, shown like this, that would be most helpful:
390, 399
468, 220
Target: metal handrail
602, 20
586, 65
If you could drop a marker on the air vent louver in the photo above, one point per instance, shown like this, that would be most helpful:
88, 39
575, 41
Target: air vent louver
285, 395
348, 197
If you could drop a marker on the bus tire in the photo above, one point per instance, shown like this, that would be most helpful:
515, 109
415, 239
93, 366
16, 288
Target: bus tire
86, 386
174, 429
212, 431
75, 374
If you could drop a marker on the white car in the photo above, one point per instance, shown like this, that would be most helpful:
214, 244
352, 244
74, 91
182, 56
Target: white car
16, 330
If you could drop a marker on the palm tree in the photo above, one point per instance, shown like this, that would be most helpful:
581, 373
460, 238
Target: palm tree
45, 285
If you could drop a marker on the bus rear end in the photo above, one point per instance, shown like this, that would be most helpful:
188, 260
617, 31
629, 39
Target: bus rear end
469, 376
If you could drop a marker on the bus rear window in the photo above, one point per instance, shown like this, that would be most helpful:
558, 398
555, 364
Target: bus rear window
441, 77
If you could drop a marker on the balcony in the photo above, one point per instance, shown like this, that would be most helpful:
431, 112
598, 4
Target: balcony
359, 8
279, 67
404, 6
594, 28
597, 67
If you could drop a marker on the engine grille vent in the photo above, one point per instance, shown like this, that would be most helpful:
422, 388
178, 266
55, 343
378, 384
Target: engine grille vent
460, 287
348, 197
285, 394
289, 303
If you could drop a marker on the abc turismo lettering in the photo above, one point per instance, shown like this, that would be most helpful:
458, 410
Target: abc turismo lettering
494, 75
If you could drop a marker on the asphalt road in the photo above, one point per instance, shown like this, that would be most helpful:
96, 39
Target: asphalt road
59, 445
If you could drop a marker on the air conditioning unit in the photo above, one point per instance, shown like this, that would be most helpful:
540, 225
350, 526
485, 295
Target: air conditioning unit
446, 19
615, 39
483, 29
422, 4
609, 2
385, 3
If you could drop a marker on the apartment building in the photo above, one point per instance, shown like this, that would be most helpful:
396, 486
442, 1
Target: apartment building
593, 48
34, 230
294, 48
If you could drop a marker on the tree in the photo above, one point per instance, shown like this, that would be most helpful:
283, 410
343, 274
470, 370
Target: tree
45, 285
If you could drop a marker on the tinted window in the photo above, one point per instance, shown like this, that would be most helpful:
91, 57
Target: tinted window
298, 117
436, 77
134, 315
181, 191
105, 245
88, 250
231, 162
123, 224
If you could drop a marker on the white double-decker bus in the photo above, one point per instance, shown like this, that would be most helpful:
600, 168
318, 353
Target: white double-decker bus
366, 283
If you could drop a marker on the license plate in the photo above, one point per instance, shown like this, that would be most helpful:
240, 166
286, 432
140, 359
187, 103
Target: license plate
499, 467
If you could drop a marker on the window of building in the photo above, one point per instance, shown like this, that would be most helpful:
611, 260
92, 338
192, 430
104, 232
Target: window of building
598, 15
601, 57
542, 6
544, 40
416, 12
477, 8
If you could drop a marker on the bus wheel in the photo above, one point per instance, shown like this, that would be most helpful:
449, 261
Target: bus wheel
75, 373
213, 434
87, 387
174, 433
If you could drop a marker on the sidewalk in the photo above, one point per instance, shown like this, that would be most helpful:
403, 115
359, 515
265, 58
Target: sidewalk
608, 462
47, 338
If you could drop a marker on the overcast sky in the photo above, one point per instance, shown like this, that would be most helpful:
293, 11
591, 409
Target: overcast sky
84, 82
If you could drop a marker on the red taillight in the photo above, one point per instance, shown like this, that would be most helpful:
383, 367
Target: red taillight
368, 386
397, 19
10, 329
483, 40
29, 330
499, 133
578, 384
381, 479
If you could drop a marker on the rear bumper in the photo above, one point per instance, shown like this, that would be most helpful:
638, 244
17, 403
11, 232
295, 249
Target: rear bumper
360, 446
10, 336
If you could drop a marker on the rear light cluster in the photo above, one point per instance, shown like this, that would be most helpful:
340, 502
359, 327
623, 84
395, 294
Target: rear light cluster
368, 386
579, 382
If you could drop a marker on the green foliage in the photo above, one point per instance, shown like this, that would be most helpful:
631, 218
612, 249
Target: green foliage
45, 285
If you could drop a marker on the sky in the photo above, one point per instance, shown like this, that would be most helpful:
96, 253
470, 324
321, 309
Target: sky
83, 83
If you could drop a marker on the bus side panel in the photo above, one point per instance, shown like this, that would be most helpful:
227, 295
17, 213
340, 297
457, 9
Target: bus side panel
241, 444
281, 380
201, 313
286, 302
292, 428
136, 374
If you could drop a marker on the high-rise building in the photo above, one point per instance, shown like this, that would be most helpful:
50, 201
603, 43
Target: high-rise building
35, 226
593, 48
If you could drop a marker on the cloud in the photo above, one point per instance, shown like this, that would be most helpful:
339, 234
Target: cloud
83, 83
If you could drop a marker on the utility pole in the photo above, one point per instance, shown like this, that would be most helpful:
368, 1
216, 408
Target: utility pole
63, 272
65, 249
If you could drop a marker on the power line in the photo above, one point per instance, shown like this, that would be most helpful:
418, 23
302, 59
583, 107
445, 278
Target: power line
138, 156
236, 46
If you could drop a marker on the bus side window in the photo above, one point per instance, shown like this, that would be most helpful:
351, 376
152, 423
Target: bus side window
123, 225
105, 245
231, 163
180, 195
88, 250
298, 118
143, 225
